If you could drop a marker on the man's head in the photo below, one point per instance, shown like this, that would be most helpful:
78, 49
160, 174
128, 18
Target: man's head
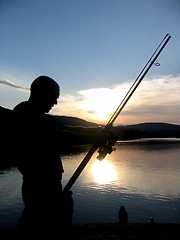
44, 93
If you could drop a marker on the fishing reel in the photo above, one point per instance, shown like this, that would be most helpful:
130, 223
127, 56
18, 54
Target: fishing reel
107, 149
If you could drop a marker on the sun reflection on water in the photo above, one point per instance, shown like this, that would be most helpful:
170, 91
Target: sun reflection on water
103, 171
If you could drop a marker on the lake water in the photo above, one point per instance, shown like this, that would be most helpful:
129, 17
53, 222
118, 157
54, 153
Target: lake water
143, 176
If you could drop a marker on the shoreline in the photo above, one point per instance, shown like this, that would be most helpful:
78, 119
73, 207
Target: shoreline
114, 231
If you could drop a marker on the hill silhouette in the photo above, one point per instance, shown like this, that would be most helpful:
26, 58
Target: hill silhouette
126, 132
149, 130
133, 131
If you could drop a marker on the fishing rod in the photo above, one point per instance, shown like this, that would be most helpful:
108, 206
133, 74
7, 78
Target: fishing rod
108, 147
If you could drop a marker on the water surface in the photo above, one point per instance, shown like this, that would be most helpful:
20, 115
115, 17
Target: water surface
144, 176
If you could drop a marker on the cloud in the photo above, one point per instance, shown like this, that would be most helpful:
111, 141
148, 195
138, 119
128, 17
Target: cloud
155, 99
11, 84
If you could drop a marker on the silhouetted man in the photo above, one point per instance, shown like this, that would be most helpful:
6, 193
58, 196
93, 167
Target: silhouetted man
39, 144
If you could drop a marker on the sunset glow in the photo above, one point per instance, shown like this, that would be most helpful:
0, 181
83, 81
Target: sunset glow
149, 103
101, 103
94, 50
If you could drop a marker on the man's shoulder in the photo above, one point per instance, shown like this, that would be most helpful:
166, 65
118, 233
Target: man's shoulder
20, 106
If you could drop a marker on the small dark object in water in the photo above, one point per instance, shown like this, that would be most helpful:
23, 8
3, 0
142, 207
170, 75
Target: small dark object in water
123, 215
151, 220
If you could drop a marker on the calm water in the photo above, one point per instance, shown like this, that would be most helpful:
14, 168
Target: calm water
144, 176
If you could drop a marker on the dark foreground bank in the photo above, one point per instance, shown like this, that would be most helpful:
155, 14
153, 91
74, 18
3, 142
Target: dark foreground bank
113, 231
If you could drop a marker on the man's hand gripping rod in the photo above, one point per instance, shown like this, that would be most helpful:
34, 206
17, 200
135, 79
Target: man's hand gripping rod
108, 147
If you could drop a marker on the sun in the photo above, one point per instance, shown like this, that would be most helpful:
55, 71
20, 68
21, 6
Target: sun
99, 104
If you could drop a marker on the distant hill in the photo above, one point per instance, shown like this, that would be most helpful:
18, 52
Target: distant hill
141, 130
149, 130
65, 120
126, 132
73, 121
129, 132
